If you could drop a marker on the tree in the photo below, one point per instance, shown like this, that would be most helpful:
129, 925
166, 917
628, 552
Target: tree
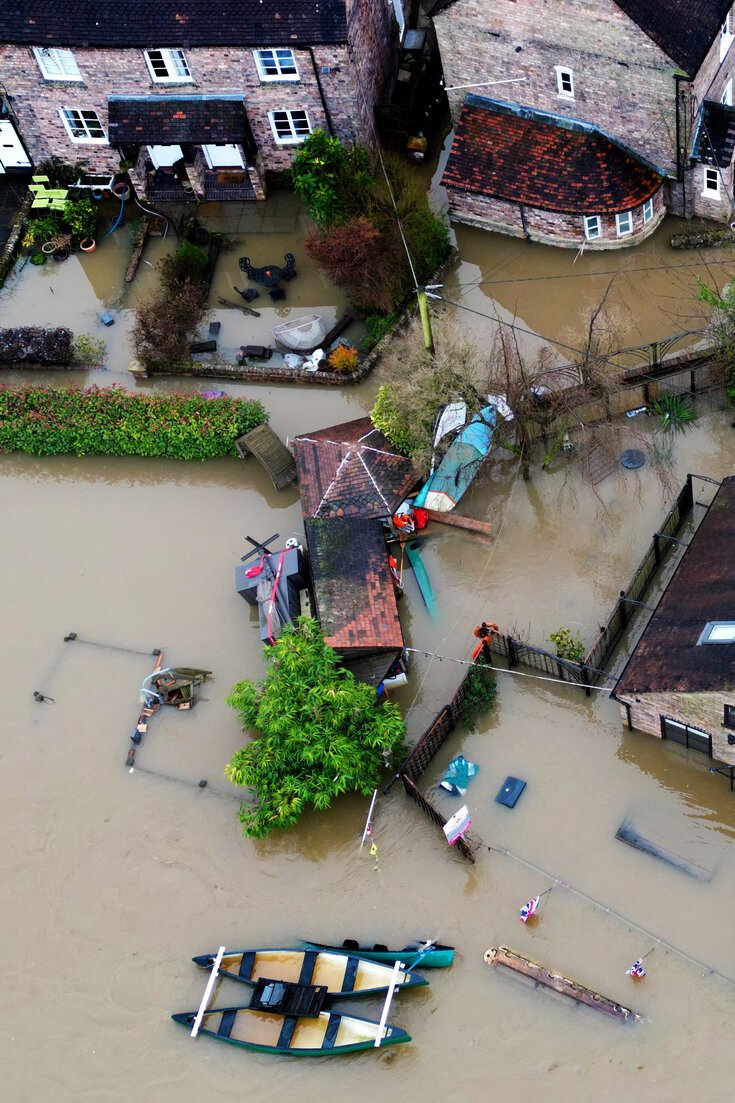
330, 179
722, 330
322, 733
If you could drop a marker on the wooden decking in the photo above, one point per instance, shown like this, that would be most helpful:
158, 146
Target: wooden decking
470, 524
271, 452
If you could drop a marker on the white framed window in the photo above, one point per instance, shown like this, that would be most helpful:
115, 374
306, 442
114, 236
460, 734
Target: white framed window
624, 223
718, 631
167, 66
289, 126
57, 64
82, 126
727, 34
564, 82
726, 97
400, 17
711, 184
592, 227
648, 210
276, 64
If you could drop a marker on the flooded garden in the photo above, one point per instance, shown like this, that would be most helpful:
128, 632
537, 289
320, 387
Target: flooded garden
118, 878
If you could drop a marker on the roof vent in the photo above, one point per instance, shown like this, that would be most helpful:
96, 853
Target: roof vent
718, 631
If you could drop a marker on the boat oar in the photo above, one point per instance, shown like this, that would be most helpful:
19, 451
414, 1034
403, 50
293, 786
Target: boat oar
207, 992
422, 952
392, 989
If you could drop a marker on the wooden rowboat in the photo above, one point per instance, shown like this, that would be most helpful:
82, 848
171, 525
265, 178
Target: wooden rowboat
328, 1033
539, 974
342, 974
425, 955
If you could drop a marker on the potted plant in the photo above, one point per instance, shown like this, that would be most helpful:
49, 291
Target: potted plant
80, 217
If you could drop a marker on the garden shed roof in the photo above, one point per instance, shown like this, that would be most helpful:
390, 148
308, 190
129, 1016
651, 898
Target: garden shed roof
351, 470
355, 598
544, 161
170, 120
668, 656
173, 22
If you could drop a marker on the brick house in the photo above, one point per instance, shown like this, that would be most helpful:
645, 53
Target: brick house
203, 99
613, 113
679, 682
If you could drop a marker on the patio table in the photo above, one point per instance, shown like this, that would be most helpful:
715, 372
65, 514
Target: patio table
270, 275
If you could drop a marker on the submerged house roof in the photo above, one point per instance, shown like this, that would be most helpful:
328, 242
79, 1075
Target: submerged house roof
683, 29
553, 164
351, 470
152, 23
668, 656
355, 597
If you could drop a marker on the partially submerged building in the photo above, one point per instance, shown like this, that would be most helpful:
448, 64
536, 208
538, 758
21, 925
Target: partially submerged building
350, 481
679, 682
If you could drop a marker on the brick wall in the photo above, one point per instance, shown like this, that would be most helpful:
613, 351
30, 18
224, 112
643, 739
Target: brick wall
702, 710
623, 82
355, 81
548, 227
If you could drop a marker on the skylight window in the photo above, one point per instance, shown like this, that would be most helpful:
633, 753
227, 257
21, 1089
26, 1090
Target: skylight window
718, 631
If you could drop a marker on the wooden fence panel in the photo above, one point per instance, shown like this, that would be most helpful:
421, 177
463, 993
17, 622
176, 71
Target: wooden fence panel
464, 847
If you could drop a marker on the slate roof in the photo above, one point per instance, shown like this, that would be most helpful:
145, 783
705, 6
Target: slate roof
684, 29
351, 470
714, 138
355, 599
169, 120
166, 23
546, 162
702, 589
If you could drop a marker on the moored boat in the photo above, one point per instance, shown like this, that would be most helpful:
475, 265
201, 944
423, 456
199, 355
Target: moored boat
426, 955
342, 974
320, 1036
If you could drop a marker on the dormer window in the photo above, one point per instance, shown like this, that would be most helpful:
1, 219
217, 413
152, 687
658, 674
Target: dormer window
564, 82
727, 34
718, 631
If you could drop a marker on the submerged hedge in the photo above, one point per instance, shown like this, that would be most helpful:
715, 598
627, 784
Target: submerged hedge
114, 422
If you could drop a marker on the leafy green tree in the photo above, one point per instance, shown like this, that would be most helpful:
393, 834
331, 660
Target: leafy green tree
330, 179
722, 329
322, 733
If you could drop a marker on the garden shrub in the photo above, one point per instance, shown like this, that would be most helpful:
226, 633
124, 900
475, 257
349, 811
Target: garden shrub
331, 181
377, 325
37, 344
165, 325
364, 259
343, 358
479, 694
44, 421
568, 645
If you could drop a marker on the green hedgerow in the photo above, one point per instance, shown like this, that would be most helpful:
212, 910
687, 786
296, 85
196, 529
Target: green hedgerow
114, 422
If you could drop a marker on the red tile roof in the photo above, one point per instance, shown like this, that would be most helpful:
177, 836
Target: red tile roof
554, 165
351, 470
355, 597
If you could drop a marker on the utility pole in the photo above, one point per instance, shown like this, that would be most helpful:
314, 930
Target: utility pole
425, 320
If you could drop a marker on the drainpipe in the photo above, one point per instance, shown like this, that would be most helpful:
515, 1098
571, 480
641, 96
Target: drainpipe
523, 222
321, 92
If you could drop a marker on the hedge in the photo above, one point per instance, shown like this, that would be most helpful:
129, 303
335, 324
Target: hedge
115, 422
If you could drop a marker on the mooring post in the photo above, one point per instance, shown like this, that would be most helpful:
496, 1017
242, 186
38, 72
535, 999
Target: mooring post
511, 652
623, 610
586, 681
657, 549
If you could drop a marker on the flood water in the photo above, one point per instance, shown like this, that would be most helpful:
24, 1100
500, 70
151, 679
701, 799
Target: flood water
114, 880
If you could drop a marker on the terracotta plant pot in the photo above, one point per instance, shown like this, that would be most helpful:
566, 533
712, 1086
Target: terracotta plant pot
88, 245
121, 190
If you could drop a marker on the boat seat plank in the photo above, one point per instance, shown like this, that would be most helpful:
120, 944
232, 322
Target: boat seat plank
307, 967
228, 1020
331, 1031
246, 965
287, 1030
348, 984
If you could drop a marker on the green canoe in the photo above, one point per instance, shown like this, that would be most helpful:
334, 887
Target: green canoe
414, 955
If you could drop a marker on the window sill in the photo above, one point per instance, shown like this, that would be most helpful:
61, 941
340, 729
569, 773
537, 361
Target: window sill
156, 81
75, 82
88, 141
711, 195
568, 96
278, 80
290, 141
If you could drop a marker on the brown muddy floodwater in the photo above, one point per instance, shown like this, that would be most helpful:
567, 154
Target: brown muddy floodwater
114, 880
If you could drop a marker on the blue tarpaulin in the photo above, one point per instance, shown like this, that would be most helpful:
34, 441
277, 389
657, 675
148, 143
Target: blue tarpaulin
458, 775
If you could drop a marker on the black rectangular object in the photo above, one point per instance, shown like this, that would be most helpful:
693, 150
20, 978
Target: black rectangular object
284, 998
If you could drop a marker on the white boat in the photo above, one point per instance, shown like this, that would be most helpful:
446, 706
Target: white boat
304, 333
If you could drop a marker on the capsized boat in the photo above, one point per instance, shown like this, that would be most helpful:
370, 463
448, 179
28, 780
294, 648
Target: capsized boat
342, 974
428, 955
463, 459
326, 1034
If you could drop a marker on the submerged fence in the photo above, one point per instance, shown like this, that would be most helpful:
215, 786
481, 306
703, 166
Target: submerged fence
592, 667
427, 747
